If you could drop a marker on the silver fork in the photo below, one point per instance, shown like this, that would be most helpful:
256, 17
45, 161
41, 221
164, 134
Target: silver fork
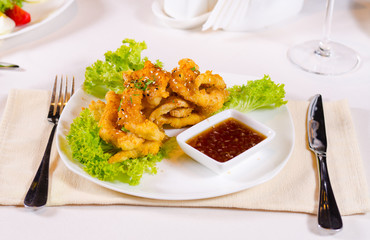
37, 194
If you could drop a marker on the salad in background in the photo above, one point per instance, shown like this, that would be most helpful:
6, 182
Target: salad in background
13, 15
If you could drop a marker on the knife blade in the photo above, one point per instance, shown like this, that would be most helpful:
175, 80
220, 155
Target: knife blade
328, 213
5, 65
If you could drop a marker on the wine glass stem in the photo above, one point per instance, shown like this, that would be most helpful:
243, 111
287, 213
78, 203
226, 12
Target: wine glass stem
324, 46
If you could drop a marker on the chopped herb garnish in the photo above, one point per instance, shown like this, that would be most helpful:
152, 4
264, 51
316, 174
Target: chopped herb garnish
137, 84
147, 83
143, 85
119, 107
125, 129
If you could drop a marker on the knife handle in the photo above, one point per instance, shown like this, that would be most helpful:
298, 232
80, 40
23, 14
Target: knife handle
328, 216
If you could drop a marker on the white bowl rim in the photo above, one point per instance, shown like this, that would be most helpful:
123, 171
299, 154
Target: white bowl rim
183, 137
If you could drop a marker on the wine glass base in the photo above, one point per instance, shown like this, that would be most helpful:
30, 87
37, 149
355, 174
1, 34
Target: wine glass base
341, 59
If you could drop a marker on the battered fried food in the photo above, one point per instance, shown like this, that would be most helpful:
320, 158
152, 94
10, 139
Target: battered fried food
178, 106
131, 117
122, 120
212, 92
110, 131
97, 109
181, 112
153, 98
152, 79
206, 90
148, 147
135, 139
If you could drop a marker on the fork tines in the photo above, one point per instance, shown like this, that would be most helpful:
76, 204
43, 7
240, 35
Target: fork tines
59, 98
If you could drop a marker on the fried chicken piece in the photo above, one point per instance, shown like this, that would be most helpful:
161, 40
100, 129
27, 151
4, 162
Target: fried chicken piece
148, 147
131, 117
161, 115
152, 98
152, 80
207, 91
110, 131
192, 119
181, 112
183, 76
97, 109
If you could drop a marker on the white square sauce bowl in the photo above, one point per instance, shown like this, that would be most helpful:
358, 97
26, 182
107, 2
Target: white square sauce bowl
215, 165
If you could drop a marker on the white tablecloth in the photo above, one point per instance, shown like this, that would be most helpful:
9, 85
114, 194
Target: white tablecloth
87, 29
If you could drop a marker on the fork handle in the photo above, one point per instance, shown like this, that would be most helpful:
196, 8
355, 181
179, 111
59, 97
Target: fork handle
37, 194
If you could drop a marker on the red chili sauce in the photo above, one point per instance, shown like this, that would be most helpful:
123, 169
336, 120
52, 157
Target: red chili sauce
226, 140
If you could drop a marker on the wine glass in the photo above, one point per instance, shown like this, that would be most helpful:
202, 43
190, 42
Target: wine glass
324, 56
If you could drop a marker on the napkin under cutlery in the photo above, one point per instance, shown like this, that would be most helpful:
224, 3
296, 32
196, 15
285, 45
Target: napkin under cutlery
24, 132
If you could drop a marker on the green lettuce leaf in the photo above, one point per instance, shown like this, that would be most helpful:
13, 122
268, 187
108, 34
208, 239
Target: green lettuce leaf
93, 153
9, 4
255, 94
106, 75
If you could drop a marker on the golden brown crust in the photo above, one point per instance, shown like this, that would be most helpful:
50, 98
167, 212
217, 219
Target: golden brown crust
153, 98
110, 131
207, 90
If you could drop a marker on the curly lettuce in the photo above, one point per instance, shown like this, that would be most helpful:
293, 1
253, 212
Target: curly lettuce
106, 75
255, 94
93, 153
9, 4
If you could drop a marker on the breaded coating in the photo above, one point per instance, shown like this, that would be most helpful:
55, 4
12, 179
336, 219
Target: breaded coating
152, 80
131, 117
148, 147
207, 91
181, 112
97, 109
162, 114
152, 99
110, 131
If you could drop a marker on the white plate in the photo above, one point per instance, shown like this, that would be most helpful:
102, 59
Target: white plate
182, 178
41, 13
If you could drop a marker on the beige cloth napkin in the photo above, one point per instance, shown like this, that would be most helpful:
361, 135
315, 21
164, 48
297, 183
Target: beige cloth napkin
24, 132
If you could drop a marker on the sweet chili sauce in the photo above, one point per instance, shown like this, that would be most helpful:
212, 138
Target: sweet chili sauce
226, 140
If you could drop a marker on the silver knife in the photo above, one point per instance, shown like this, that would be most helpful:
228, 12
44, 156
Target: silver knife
328, 214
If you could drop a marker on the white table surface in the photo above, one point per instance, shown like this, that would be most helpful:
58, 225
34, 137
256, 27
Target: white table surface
87, 29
